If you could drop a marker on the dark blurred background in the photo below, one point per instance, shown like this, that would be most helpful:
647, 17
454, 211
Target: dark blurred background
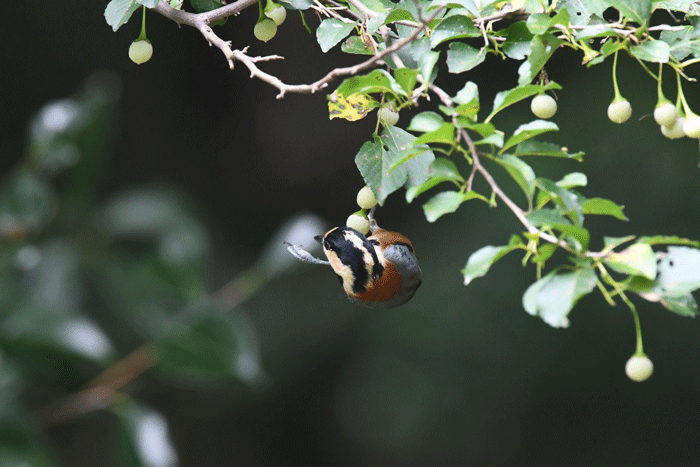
460, 375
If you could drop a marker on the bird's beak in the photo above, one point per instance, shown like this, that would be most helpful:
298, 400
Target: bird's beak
319, 238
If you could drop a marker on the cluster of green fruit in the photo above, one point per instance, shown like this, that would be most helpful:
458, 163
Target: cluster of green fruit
270, 17
358, 220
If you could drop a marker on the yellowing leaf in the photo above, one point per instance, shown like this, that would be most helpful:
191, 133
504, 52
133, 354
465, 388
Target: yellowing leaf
352, 108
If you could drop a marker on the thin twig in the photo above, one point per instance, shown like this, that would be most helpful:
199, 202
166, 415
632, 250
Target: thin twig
200, 22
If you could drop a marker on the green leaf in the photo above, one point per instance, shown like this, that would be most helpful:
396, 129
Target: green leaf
684, 305
468, 95
355, 45
205, 347
554, 296
517, 43
298, 4
118, 12
426, 121
376, 81
652, 51
509, 97
614, 242
668, 240
603, 207
447, 202
331, 31
550, 219
582, 12
541, 49
683, 43
441, 170
481, 260
527, 131
522, 173
638, 11
142, 436
538, 148
564, 198
443, 167
462, 57
413, 192
398, 14
445, 135
572, 180
406, 77
538, 23
636, 260
453, 27
375, 159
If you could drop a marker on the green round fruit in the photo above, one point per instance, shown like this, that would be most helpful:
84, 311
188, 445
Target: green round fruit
359, 223
543, 106
388, 116
366, 198
691, 127
265, 30
140, 51
620, 111
674, 131
665, 114
639, 368
277, 14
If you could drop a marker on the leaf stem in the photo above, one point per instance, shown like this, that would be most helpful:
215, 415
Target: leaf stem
142, 36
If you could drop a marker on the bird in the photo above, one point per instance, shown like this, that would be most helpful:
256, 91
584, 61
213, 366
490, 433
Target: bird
379, 271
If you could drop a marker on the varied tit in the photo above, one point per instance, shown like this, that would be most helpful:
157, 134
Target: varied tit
379, 271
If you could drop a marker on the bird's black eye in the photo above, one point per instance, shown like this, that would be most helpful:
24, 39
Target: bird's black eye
326, 245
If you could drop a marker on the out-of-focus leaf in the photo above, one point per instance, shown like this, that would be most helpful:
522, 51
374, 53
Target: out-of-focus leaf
204, 346
205, 5
49, 319
143, 438
554, 296
27, 204
299, 230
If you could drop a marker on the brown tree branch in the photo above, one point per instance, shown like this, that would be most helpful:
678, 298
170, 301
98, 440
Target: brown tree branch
201, 22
